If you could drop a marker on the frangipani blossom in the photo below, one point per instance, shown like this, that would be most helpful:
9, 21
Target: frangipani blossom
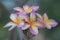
48, 23
27, 9
16, 21
32, 24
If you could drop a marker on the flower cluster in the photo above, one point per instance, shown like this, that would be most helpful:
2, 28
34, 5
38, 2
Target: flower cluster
28, 18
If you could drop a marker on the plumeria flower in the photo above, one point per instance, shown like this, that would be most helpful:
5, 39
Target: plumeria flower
16, 21
48, 23
32, 24
27, 9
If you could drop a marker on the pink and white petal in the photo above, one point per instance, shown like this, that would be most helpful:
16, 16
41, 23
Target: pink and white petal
34, 30
25, 7
18, 13
13, 26
39, 16
39, 20
19, 9
13, 17
23, 15
37, 23
21, 24
32, 17
35, 8
53, 23
27, 19
48, 26
41, 26
45, 16
8, 24
26, 26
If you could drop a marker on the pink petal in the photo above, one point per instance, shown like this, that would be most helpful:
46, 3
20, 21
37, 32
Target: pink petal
35, 8
54, 23
41, 26
38, 15
34, 31
26, 26
48, 26
23, 15
40, 19
19, 9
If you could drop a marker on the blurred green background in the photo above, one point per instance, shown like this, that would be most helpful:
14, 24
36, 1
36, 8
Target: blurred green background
51, 7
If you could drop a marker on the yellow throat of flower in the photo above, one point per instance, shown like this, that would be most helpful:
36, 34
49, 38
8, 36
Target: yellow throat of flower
28, 10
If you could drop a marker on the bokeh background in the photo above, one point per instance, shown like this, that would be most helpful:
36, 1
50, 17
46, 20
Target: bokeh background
51, 7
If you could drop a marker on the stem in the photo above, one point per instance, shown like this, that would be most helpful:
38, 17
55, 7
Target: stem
21, 34
13, 35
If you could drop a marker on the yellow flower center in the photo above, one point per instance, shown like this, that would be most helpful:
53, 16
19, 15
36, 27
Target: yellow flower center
28, 10
17, 21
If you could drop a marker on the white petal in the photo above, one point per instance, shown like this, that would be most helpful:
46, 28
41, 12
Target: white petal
34, 30
8, 24
13, 17
19, 9
32, 17
12, 27
25, 27
48, 27
21, 24
25, 7
45, 16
